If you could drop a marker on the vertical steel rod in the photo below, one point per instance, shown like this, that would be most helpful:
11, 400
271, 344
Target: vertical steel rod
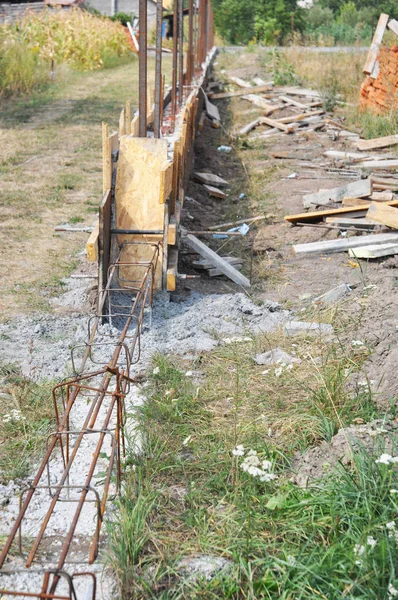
158, 67
142, 57
174, 66
180, 52
190, 44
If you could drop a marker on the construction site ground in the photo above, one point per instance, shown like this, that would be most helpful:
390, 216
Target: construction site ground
51, 174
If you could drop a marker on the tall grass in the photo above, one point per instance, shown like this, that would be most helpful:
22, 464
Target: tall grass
31, 48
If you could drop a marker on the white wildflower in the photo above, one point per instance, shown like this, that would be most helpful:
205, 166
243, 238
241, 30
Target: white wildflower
393, 491
390, 525
384, 459
278, 371
359, 563
268, 476
265, 372
189, 374
393, 592
187, 440
291, 561
359, 550
266, 465
238, 451
357, 343
156, 371
256, 468
371, 541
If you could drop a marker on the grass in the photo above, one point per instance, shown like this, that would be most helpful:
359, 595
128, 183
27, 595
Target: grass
186, 494
26, 418
32, 48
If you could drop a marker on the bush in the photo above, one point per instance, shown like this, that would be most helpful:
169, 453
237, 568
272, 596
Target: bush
122, 18
21, 68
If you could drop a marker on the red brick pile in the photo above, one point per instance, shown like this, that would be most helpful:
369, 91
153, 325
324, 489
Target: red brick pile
381, 94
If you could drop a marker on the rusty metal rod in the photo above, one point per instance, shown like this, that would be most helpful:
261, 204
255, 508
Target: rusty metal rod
180, 4
158, 68
142, 76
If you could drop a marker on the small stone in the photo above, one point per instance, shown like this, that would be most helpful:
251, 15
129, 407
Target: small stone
275, 356
297, 327
203, 566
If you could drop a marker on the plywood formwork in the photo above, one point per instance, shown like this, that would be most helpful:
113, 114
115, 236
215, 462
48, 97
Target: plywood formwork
145, 178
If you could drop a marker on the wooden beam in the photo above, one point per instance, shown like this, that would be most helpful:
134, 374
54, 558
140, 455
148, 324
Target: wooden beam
344, 244
172, 273
302, 117
374, 251
92, 245
356, 189
106, 159
216, 260
393, 26
277, 124
374, 48
213, 191
319, 215
387, 165
242, 92
381, 142
384, 214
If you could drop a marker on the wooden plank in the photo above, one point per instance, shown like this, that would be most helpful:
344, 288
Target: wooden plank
387, 165
166, 182
344, 244
374, 251
213, 191
348, 201
106, 159
376, 197
247, 128
302, 117
381, 142
393, 26
292, 102
172, 273
374, 48
240, 82
205, 264
319, 215
262, 103
277, 124
344, 155
356, 189
216, 260
172, 232
122, 123
385, 196
390, 183
104, 239
347, 223
210, 179
297, 91
384, 214
128, 117
92, 245
243, 92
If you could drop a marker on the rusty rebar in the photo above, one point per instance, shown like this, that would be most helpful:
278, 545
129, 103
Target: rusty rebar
142, 76
180, 4
158, 68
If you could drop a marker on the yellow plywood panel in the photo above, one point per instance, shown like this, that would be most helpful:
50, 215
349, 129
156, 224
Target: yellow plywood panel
166, 183
140, 183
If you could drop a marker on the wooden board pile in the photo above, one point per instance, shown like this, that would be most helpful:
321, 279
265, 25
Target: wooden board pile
368, 205
305, 106
379, 90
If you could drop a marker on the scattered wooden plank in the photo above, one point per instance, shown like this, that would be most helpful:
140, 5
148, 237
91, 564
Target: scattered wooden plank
210, 179
386, 183
172, 273
344, 155
216, 272
92, 245
240, 82
259, 81
303, 117
292, 102
257, 89
344, 244
381, 142
319, 215
374, 251
205, 264
348, 201
384, 214
386, 165
297, 91
385, 196
393, 26
374, 48
247, 128
262, 103
376, 197
216, 260
348, 223
356, 189
277, 124
213, 191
